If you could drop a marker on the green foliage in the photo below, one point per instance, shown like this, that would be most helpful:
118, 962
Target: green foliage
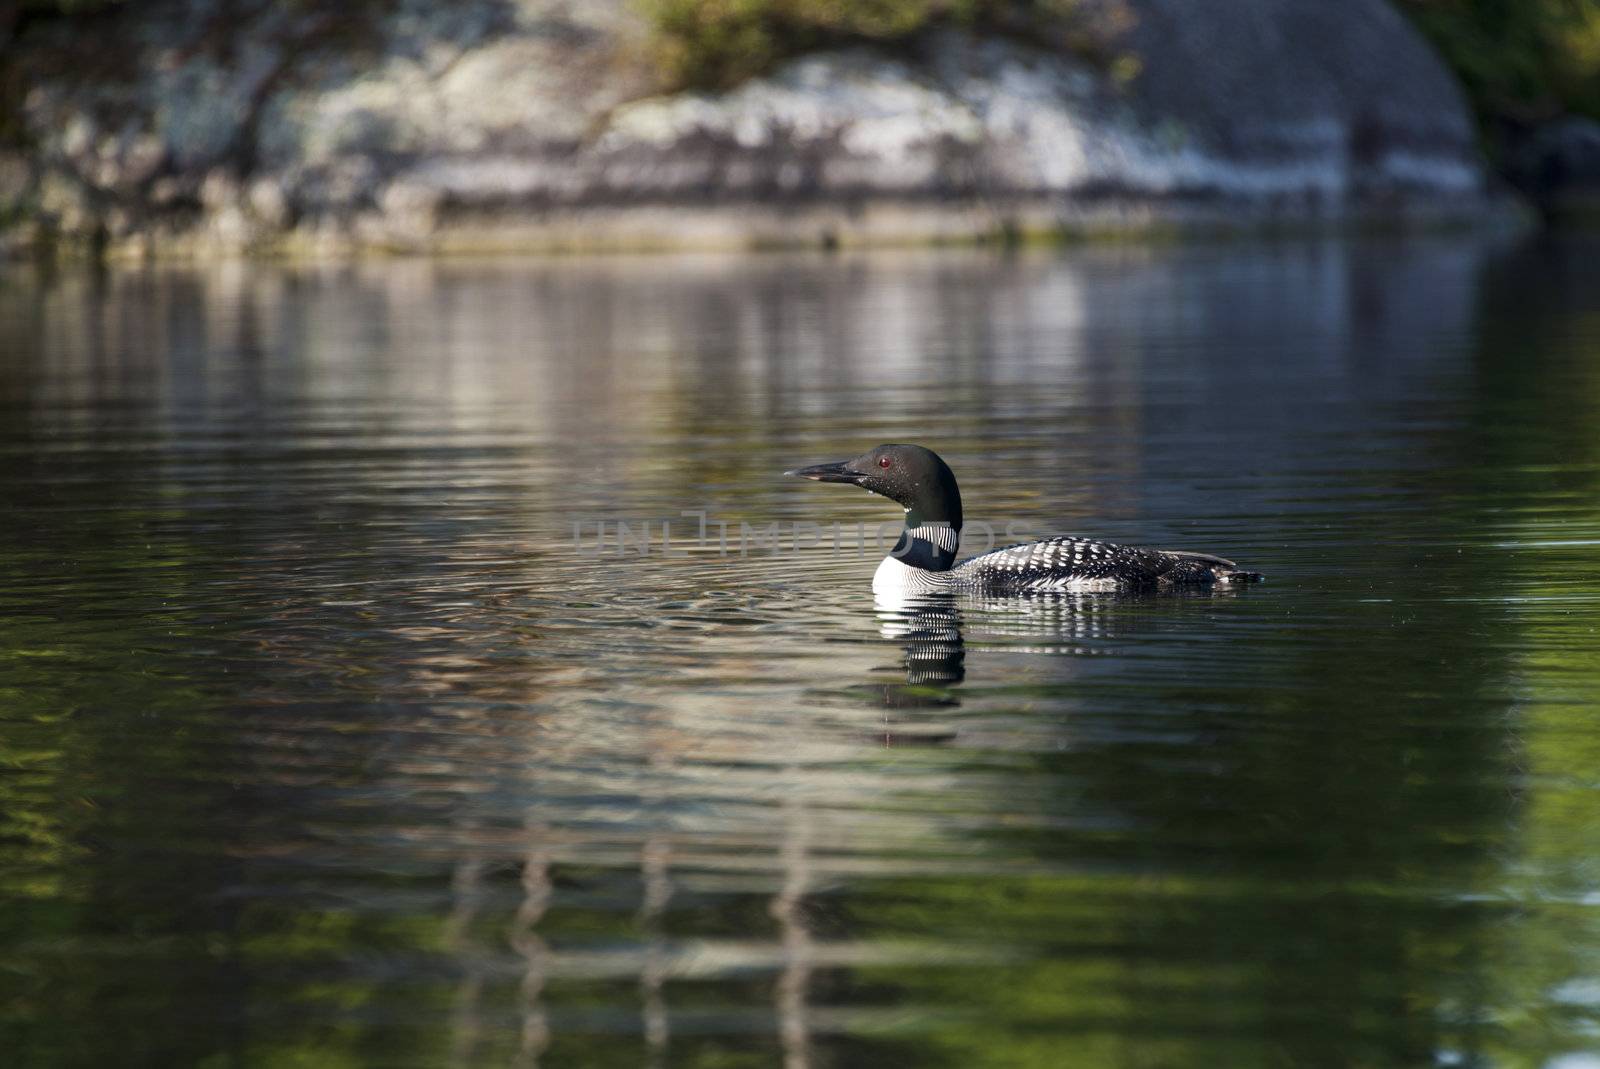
1523, 61
719, 43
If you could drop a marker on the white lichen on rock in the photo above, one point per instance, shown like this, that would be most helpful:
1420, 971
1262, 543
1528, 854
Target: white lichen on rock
537, 112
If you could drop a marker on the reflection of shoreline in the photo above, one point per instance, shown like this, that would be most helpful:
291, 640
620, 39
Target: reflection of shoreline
412, 664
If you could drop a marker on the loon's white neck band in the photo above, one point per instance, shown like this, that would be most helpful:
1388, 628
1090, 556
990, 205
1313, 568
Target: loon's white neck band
942, 535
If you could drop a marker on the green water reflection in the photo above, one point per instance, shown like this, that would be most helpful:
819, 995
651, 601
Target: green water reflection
321, 746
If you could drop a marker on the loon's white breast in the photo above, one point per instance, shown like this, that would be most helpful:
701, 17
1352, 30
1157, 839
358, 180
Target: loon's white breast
897, 577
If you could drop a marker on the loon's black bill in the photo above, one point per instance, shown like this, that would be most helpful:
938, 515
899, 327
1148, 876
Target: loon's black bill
828, 473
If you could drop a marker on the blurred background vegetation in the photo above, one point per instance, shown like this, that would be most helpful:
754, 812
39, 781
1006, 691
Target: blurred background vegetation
718, 43
1523, 62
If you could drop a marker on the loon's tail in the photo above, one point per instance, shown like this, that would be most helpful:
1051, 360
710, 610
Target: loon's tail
1222, 569
1239, 575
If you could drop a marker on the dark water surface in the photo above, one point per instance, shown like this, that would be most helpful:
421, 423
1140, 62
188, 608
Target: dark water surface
324, 744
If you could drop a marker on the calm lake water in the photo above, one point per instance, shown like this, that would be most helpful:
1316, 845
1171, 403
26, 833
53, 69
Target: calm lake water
324, 742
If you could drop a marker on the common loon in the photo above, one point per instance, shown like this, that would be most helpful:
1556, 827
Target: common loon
924, 559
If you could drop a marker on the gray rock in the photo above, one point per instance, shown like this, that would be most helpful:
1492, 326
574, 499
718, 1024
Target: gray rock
16, 184
1347, 91
65, 206
219, 191
269, 203
171, 191
541, 122
409, 210
1254, 100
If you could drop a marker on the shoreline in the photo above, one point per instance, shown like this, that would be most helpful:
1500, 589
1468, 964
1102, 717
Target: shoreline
762, 226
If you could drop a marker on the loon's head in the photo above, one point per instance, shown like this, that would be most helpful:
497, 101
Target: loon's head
912, 476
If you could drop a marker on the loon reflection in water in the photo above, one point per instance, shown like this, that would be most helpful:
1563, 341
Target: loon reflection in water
933, 630
923, 560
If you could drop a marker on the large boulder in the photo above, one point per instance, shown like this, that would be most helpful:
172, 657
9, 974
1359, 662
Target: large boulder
532, 123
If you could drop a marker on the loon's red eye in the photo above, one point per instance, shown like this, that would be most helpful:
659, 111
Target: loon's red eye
884, 462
